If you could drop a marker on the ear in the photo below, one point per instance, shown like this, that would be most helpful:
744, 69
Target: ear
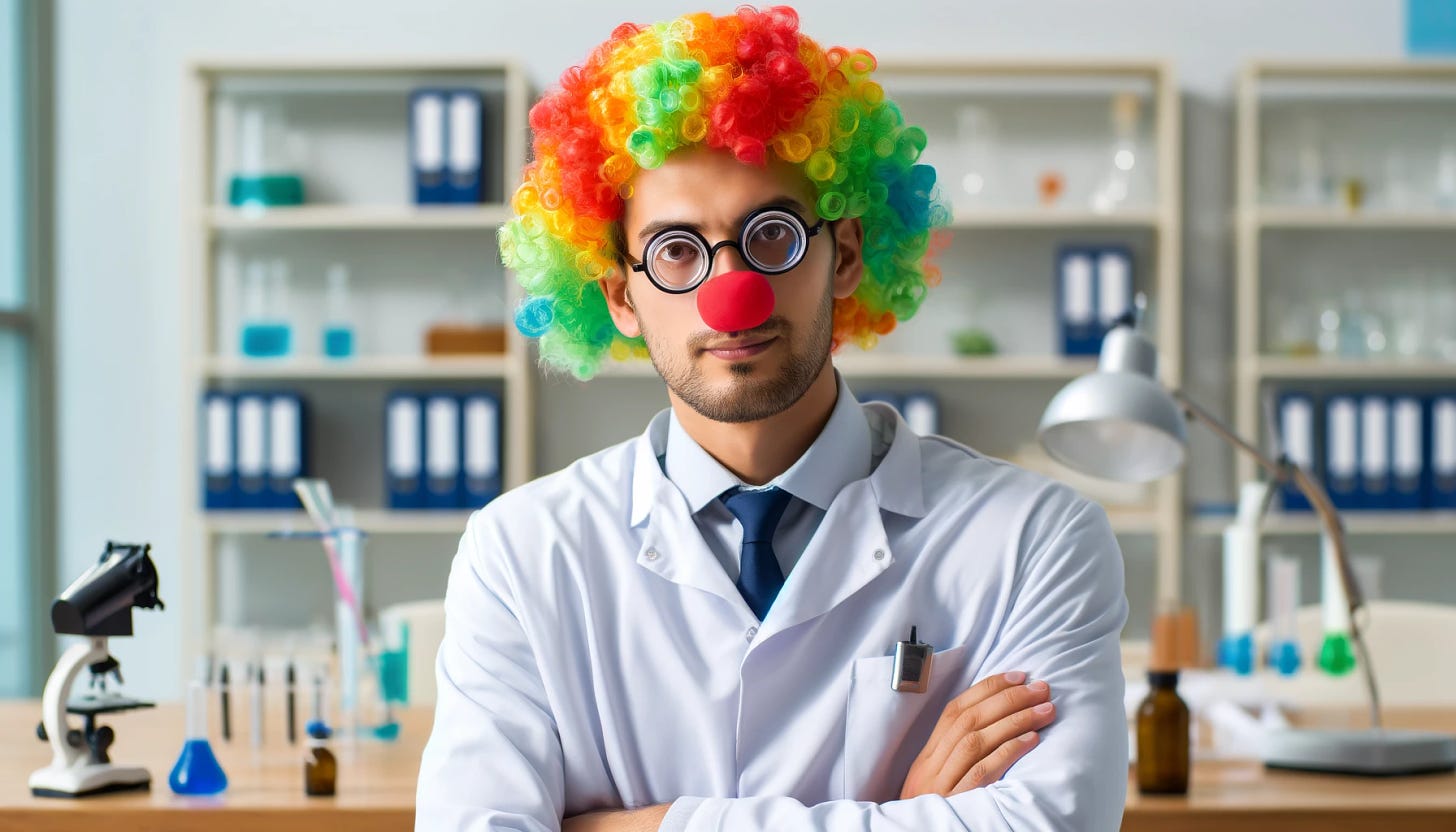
619, 303
849, 256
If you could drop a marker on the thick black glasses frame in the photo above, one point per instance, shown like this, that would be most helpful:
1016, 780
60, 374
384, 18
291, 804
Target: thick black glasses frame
807, 230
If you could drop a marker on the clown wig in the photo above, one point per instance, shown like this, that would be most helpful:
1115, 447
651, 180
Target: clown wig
751, 84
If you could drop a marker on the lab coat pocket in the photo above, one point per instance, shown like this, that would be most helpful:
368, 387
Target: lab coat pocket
885, 729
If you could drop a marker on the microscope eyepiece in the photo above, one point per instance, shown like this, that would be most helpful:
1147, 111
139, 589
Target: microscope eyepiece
99, 602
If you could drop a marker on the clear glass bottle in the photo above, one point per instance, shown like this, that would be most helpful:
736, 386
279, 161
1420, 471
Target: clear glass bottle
1162, 737
338, 314
976, 148
266, 331
1357, 330
1113, 191
1446, 172
1311, 179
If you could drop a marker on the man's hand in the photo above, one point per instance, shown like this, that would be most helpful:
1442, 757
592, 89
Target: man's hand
646, 819
979, 735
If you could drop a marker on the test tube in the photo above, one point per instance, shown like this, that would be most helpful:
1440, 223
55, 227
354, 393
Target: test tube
1240, 597
1337, 653
1283, 603
350, 545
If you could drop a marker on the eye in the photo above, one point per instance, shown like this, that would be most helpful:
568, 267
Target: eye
771, 232
677, 251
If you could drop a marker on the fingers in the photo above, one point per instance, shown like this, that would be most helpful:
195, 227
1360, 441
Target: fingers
973, 695
980, 735
996, 764
985, 689
975, 747
960, 733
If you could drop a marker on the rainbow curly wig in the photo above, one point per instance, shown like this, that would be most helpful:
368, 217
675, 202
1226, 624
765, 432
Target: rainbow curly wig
749, 83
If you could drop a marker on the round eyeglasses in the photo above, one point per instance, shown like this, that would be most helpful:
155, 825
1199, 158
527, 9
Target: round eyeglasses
771, 241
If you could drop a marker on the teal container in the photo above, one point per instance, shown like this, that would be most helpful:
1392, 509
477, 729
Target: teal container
266, 191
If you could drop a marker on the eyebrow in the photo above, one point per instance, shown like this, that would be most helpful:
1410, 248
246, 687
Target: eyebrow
652, 228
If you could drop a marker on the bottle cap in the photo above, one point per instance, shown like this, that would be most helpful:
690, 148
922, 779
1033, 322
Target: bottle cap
1165, 640
1163, 678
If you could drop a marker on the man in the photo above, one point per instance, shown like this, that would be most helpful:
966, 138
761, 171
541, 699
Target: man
716, 625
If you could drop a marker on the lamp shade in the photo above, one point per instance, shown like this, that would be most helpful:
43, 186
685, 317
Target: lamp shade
1117, 423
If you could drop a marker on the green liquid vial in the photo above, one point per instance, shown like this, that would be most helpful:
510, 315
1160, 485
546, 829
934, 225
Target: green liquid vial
1337, 654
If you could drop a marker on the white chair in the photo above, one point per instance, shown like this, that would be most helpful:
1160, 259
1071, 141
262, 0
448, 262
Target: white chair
426, 626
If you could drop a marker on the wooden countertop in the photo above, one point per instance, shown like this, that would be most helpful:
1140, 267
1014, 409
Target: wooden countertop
376, 786
376, 781
1244, 796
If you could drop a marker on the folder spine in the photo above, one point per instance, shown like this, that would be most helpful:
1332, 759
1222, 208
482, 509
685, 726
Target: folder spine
219, 452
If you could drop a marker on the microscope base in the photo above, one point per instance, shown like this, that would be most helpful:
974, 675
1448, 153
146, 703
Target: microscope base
83, 781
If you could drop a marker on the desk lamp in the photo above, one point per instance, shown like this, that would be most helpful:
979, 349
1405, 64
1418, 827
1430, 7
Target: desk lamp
1119, 423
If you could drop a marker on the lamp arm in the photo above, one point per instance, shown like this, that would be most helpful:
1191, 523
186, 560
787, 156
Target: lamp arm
1329, 518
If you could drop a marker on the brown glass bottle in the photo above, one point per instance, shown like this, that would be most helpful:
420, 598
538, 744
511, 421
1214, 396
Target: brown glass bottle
1162, 737
320, 769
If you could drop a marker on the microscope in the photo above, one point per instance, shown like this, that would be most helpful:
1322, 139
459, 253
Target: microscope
97, 605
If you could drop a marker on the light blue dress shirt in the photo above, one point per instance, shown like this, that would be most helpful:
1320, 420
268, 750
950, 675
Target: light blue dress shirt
847, 449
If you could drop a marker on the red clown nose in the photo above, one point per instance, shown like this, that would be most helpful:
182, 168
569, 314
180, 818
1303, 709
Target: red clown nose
735, 301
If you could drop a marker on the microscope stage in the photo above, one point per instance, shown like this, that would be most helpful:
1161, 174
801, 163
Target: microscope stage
97, 705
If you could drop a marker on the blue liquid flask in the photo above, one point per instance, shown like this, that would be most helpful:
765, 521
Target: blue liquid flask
266, 332
197, 771
338, 317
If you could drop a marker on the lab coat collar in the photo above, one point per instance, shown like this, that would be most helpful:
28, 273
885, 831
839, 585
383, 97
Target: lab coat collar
898, 481
839, 455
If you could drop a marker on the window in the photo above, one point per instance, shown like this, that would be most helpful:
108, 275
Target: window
24, 415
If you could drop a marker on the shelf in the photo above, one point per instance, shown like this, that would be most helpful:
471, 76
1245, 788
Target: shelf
1027, 367
1294, 217
1317, 368
1124, 521
374, 65
887, 366
1379, 68
359, 218
1368, 522
385, 368
1409, 523
1030, 218
1132, 520
377, 521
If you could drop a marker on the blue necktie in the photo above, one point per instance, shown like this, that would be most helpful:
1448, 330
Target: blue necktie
759, 576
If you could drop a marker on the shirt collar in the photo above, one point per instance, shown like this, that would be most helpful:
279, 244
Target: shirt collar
897, 481
841, 454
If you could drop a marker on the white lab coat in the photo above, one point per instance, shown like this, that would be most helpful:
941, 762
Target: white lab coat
597, 656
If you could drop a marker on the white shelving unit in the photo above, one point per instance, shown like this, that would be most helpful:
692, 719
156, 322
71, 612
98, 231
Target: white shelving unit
376, 522
362, 218
483, 367
1031, 95
338, 225
539, 423
1040, 93
860, 365
1357, 524
1355, 96
1053, 218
